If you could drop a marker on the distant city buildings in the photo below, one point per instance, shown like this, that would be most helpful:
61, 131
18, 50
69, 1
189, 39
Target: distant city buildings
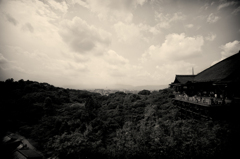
109, 91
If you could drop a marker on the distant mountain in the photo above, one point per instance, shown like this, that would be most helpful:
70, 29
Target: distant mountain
151, 87
118, 87
130, 87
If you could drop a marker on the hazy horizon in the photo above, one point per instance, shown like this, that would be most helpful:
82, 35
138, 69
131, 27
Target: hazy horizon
114, 42
117, 87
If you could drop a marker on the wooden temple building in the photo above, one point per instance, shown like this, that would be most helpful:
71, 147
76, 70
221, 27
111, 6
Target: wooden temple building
212, 93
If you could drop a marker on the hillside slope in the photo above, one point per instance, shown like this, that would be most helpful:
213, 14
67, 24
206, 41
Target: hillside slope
68, 123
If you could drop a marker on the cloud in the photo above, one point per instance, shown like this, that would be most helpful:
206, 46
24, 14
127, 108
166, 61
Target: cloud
140, 2
162, 72
3, 60
167, 71
108, 68
28, 27
175, 47
212, 18
210, 37
189, 25
11, 19
227, 4
15, 69
32, 16
205, 6
127, 32
164, 21
113, 58
8, 67
236, 11
60, 6
145, 28
118, 10
111, 65
130, 32
230, 49
82, 37
38, 65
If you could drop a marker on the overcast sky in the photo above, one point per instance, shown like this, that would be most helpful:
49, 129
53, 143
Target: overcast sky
99, 43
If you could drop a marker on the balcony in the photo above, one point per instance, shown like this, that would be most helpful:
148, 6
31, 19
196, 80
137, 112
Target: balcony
203, 101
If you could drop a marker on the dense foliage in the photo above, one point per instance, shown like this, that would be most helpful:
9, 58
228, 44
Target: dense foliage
69, 123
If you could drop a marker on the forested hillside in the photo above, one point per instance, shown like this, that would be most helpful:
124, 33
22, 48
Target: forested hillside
68, 123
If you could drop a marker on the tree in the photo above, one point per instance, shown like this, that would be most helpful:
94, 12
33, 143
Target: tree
47, 105
144, 92
10, 80
91, 104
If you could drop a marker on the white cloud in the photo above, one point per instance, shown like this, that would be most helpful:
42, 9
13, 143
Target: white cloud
149, 29
168, 17
230, 48
3, 60
175, 47
130, 32
236, 11
226, 4
39, 65
58, 62
108, 68
167, 71
212, 18
205, 6
82, 37
28, 27
32, 17
10, 19
140, 2
111, 68
118, 10
113, 58
210, 37
126, 32
61, 6
189, 25
164, 21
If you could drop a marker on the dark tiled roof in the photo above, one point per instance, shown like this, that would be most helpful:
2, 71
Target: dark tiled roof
225, 70
183, 79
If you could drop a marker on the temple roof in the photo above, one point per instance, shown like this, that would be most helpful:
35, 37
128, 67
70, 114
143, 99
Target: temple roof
183, 79
225, 71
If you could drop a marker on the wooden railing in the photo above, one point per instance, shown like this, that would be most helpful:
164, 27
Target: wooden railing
203, 100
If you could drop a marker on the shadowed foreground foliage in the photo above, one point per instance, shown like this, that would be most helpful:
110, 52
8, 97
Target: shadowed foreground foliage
69, 123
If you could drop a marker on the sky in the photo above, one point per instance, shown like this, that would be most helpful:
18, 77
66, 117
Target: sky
98, 44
